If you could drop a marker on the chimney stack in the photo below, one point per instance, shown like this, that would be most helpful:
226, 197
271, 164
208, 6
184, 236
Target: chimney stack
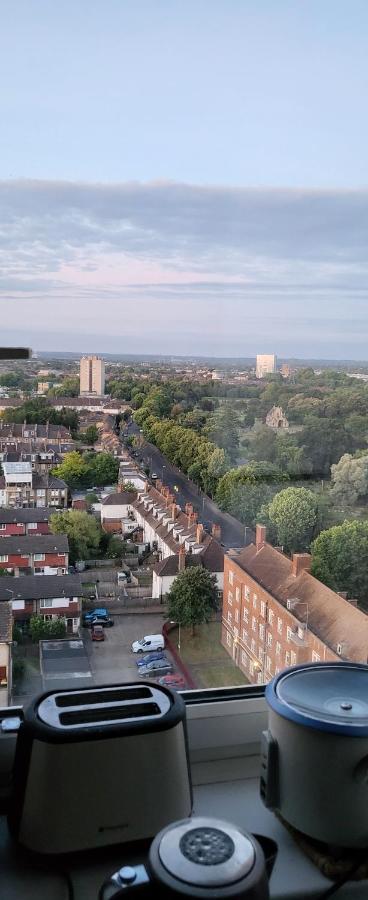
260, 536
301, 562
181, 559
174, 510
199, 535
216, 531
188, 508
190, 519
195, 517
159, 486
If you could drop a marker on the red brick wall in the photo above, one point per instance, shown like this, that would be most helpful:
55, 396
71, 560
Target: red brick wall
12, 528
22, 562
257, 630
111, 526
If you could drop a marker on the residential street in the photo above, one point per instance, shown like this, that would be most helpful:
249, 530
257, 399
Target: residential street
232, 531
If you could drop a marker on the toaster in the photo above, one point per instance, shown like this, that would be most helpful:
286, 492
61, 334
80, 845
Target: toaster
99, 766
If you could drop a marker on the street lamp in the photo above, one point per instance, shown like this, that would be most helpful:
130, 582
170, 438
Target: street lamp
163, 467
179, 625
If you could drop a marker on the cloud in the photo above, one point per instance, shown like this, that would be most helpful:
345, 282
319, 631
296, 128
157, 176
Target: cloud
254, 253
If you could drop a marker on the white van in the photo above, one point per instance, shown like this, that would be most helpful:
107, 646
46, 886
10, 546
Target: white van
149, 642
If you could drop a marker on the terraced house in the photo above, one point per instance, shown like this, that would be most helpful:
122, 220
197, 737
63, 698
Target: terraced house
46, 554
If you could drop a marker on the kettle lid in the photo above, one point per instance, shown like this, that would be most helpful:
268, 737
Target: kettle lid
324, 696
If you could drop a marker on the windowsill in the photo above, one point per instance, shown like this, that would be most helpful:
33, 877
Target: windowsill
226, 785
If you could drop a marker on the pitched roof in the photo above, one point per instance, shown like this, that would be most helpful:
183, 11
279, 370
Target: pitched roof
120, 499
210, 558
40, 587
6, 620
333, 619
24, 515
33, 543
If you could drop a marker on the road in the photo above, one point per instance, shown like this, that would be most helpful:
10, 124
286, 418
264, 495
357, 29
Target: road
232, 531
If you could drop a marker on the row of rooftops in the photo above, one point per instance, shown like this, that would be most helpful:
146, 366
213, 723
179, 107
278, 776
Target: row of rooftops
40, 587
35, 431
24, 516
177, 529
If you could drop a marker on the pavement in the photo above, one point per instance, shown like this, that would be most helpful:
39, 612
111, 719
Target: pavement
112, 661
232, 531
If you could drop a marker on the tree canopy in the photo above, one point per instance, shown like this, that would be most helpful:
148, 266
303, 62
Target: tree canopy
83, 531
339, 558
193, 597
294, 514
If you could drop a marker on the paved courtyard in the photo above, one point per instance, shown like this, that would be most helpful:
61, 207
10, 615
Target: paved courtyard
111, 660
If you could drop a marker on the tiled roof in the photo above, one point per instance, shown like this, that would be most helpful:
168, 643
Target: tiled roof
37, 543
333, 619
211, 558
24, 515
6, 620
40, 587
120, 499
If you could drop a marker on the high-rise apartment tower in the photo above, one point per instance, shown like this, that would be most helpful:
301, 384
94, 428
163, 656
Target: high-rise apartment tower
92, 376
266, 364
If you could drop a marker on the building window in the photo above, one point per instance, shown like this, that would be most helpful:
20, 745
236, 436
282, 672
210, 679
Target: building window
245, 614
4, 558
315, 656
263, 608
287, 658
237, 615
244, 658
254, 623
2, 527
39, 557
260, 654
251, 667
278, 648
253, 646
246, 592
269, 640
230, 598
245, 636
279, 626
261, 632
44, 603
260, 678
231, 577
228, 639
3, 676
289, 632
237, 594
254, 601
230, 617
268, 664
48, 618
271, 616
293, 658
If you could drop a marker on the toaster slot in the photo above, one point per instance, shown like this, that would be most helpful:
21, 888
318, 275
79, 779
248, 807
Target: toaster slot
92, 716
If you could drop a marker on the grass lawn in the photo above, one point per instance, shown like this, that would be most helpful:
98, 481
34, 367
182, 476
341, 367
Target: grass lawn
208, 661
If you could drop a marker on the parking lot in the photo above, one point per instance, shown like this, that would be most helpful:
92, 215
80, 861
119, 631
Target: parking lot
112, 660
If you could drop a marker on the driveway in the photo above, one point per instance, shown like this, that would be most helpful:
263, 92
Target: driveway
111, 660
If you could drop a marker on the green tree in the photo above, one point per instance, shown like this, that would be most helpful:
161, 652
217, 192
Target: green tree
104, 468
222, 429
349, 479
243, 490
73, 469
69, 387
294, 514
339, 558
193, 597
42, 629
262, 444
91, 434
83, 531
38, 410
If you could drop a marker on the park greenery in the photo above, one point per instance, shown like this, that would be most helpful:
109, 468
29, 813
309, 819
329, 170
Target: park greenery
193, 597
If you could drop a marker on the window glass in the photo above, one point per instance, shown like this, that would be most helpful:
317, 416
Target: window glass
189, 268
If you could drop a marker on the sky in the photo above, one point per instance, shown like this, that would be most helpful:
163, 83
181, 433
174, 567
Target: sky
185, 176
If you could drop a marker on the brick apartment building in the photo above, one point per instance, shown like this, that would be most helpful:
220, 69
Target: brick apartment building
276, 614
52, 596
24, 521
41, 554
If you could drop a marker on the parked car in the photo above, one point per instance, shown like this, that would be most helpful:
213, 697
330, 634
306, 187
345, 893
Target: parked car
149, 642
154, 476
97, 633
157, 665
175, 681
105, 621
149, 657
99, 611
